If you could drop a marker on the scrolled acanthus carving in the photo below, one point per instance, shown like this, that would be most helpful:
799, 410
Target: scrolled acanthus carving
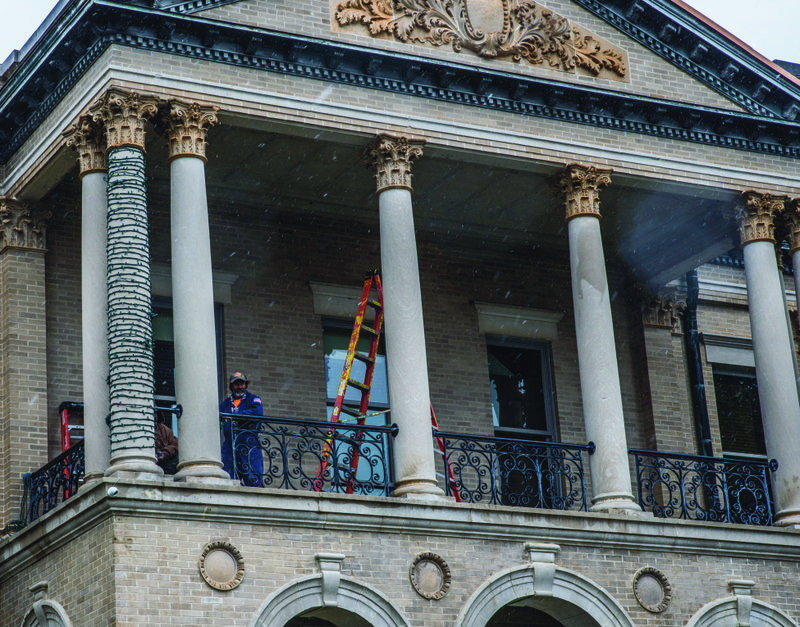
662, 310
391, 159
791, 225
530, 32
756, 214
87, 138
22, 227
186, 125
580, 186
124, 115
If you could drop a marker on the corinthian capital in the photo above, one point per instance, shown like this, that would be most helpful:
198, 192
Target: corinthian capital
580, 185
124, 114
391, 158
87, 139
662, 310
756, 214
186, 126
22, 228
791, 222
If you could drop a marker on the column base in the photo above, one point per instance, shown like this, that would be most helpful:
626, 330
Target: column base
618, 504
135, 467
203, 471
787, 518
420, 489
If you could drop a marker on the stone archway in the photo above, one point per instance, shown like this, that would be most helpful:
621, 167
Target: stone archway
739, 610
560, 593
312, 600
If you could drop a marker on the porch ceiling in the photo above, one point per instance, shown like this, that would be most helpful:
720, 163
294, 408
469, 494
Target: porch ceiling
660, 230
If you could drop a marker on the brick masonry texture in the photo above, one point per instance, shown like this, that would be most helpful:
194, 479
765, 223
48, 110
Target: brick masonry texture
127, 570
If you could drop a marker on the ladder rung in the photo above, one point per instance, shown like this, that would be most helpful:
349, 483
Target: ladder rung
369, 330
364, 357
374, 304
355, 412
358, 384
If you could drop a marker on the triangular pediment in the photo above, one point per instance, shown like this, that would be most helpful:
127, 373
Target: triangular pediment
655, 48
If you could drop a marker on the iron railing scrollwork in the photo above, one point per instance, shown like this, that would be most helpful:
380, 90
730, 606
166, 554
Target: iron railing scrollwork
704, 488
516, 472
310, 455
52, 484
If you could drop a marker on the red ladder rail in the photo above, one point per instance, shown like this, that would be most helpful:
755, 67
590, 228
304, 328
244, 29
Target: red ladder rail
369, 358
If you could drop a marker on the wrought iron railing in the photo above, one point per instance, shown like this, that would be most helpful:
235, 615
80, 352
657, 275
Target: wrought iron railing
704, 488
52, 484
309, 455
521, 473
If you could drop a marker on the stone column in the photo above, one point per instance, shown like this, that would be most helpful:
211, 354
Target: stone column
23, 358
185, 126
130, 333
773, 348
88, 140
406, 359
791, 220
597, 355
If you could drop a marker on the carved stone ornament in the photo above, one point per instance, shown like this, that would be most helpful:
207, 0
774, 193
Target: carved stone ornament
791, 225
517, 30
186, 126
756, 215
124, 114
430, 576
391, 158
221, 565
88, 139
663, 311
652, 589
580, 185
21, 227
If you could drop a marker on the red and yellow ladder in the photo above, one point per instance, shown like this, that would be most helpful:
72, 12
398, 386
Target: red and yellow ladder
369, 358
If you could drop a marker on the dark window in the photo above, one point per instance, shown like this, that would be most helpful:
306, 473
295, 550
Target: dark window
522, 388
739, 411
523, 409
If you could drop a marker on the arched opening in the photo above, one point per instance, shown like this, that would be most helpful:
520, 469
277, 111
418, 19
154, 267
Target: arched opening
328, 617
518, 616
541, 595
306, 602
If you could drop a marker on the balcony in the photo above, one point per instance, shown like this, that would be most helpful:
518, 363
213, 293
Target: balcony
704, 488
305, 455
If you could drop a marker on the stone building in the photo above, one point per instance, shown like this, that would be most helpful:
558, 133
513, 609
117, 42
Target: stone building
193, 188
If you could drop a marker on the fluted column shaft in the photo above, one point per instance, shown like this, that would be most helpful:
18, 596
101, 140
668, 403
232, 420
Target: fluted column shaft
597, 355
88, 140
773, 348
185, 126
130, 334
406, 358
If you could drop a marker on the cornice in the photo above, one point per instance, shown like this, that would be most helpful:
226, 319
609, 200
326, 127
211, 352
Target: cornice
235, 505
54, 66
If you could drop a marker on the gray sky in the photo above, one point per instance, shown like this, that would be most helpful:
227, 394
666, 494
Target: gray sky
770, 28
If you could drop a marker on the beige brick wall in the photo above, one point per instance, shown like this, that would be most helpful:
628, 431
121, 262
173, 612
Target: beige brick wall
81, 576
23, 381
142, 569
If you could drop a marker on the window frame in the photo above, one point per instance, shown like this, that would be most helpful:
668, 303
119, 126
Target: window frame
544, 347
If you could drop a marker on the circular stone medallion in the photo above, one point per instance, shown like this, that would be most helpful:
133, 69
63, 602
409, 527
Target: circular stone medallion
430, 576
652, 589
222, 565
